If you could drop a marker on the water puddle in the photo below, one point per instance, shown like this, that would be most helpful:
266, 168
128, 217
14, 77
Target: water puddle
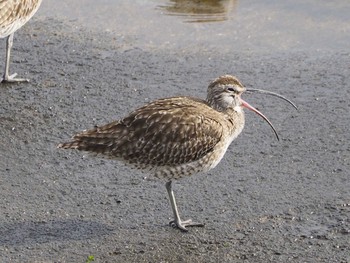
200, 11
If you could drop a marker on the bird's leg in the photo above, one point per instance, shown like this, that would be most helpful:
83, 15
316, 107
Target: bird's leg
6, 77
177, 221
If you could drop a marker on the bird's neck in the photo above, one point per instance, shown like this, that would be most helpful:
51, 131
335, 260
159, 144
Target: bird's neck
226, 108
235, 121
234, 113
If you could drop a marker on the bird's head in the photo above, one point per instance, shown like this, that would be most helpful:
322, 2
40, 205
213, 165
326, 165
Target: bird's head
225, 93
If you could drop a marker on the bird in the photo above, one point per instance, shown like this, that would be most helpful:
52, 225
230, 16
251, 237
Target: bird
13, 15
175, 137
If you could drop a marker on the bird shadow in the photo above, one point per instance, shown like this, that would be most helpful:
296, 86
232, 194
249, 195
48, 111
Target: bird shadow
30, 232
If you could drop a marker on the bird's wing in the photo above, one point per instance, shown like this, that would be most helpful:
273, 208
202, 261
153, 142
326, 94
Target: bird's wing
165, 132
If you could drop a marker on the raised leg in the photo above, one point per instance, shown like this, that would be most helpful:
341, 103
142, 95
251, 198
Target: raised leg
177, 221
6, 76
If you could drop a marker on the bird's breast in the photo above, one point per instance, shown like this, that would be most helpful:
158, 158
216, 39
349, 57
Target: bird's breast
234, 126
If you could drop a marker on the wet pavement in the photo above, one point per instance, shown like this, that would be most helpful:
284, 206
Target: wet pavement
267, 201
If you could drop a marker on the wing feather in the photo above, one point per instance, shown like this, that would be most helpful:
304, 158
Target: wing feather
165, 132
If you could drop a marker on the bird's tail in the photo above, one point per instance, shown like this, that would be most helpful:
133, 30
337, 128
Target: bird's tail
94, 145
69, 145
101, 140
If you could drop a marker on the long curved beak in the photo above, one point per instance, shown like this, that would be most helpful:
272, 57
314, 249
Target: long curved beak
248, 106
273, 94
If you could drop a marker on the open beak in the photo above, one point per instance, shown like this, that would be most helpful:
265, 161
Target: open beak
248, 106
273, 94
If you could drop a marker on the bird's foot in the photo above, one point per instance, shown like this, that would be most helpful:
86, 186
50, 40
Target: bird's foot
12, 78
183, 224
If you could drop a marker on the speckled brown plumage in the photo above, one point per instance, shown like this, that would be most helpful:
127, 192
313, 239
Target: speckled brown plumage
167, 132
174, 137
13, 15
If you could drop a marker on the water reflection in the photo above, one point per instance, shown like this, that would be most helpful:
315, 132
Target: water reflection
199, 11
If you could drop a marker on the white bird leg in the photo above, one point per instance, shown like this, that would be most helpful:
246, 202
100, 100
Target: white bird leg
177, 222
6, 76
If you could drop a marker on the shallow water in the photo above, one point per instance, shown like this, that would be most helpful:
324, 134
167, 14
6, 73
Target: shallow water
228, 25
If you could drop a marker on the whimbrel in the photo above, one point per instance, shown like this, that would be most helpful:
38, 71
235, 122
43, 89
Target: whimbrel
175, 137
13, 15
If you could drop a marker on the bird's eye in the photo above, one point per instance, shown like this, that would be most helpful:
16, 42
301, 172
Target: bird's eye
231, 89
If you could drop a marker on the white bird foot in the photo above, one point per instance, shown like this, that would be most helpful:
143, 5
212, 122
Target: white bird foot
183, 224
12, 78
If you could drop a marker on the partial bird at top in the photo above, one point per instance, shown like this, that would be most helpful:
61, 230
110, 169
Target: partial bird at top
13, 15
